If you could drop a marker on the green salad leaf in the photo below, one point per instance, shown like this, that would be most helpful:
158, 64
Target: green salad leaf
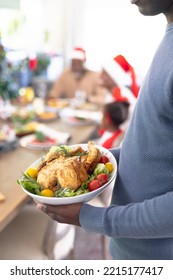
30, 184
63, 149
100, 168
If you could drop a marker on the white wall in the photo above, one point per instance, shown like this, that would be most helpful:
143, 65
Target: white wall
12, 4
41, 16
63, 19
113, 27
103, 27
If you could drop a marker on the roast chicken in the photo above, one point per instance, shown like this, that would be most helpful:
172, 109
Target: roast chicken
68, 170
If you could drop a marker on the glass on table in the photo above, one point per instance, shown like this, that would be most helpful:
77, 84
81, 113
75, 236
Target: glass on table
79, 99
39, 105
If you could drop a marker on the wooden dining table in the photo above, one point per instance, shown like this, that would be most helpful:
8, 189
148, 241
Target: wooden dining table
12, 163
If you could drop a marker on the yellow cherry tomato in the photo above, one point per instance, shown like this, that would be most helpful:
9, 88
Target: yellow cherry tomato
109, 166
47, 192
32, 171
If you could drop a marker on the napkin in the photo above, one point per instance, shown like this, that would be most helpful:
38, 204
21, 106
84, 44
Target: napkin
61, 137
95, 116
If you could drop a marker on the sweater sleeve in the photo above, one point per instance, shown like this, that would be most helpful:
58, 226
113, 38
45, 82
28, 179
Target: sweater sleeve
148, 219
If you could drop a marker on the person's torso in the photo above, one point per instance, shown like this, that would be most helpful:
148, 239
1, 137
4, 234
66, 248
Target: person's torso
86, 83
146, 158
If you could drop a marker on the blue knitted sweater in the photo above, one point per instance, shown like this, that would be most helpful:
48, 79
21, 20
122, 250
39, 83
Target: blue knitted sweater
140, 218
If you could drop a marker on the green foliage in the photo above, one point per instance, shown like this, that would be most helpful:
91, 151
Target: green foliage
29, 183
8, 85
43, 62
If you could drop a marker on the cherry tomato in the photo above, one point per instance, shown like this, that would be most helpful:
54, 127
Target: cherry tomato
109, 166
102, 178
47, 192
32, 172
93, 185
104, 159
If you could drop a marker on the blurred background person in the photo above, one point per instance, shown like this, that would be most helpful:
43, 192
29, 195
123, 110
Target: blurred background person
78, 80
114, 115
119, 78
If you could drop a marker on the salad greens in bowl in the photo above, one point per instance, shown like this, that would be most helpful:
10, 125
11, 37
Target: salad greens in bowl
69, 174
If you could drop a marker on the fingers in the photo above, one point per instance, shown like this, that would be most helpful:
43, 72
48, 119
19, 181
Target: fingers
51, 208
42, 207
63, 213
50, 211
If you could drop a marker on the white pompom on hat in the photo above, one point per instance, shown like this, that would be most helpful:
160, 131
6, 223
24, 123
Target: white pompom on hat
118, 68
78, 53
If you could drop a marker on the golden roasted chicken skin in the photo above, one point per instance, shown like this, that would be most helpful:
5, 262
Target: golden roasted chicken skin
68, 170
56, 155
93, 157
47, 176
68, 173
72, 173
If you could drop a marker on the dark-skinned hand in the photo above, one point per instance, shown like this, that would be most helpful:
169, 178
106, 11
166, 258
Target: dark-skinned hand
68, 214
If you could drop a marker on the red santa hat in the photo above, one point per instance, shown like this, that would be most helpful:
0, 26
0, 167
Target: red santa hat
78, 53
118, 68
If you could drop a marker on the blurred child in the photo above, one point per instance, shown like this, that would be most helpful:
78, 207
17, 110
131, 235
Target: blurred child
114, 115
119, 78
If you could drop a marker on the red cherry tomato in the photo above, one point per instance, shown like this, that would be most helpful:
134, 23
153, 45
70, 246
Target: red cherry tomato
104, 159
102, 178
93, 185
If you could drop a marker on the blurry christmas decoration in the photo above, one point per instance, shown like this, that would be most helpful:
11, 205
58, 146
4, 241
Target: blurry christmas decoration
7, 139
9, 86
39, 64
33, 62
26, 95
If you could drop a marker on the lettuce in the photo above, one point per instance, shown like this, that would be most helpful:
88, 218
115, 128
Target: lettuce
100, 168
30, 184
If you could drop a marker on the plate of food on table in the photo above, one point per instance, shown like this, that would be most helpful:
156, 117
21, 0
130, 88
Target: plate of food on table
69, 174
43, 138
77, 121
76, 117
56, 104
25, 129
47, 116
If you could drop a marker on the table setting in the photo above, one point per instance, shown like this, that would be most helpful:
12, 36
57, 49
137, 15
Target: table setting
43, 138
8, 140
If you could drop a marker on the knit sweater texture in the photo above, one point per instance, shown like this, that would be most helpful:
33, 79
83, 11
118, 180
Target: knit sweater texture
140, 217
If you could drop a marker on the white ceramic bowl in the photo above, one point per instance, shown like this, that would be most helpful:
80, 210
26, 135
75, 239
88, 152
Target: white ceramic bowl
79, 198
